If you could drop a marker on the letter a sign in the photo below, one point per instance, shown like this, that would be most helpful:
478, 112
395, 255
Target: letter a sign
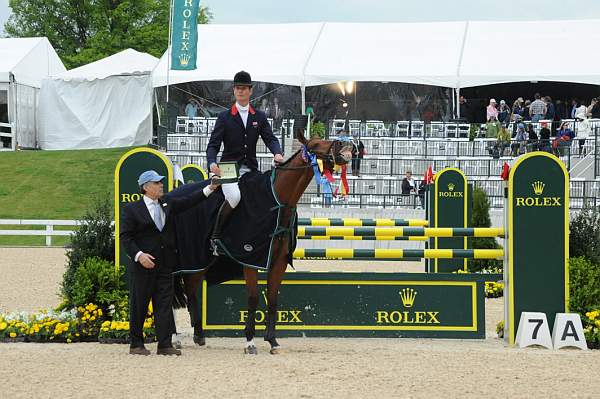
184, 34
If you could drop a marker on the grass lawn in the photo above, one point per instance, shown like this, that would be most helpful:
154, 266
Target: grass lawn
53, 185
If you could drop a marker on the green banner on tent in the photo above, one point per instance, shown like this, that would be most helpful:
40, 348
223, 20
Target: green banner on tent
184, 34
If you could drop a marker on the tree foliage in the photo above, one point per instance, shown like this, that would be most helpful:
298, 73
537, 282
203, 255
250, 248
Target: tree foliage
480, 217
83, 31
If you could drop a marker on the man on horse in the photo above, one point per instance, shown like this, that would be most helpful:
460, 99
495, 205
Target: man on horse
238, 130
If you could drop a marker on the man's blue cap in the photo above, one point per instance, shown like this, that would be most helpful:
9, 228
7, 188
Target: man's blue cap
149, 175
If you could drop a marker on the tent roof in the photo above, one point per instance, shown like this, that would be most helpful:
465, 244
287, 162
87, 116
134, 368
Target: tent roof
270, 52
449, 54
425, 53
29, 59
126, 62
564, 51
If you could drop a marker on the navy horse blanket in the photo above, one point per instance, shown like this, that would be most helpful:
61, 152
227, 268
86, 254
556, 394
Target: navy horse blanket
247, 238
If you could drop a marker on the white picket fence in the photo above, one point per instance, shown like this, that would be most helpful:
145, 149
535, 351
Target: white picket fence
48, 232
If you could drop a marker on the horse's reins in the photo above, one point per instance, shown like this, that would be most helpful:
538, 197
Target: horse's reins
323, 156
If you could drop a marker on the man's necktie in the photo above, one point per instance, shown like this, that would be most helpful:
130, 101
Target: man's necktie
157, 217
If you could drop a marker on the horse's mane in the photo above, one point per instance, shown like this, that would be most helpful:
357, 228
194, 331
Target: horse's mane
290, 158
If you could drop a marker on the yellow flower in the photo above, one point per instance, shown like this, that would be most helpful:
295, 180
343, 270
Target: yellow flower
597, 323
99, 312
3, 326
106, 323
92, 318
150, 310
13, 335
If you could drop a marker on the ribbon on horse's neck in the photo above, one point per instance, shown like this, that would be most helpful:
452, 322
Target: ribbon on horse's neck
326, 180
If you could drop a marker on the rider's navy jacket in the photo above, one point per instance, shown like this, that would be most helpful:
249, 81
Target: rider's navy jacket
239, 141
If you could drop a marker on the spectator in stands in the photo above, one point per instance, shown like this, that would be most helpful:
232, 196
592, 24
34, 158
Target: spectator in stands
545, 144
464, 108
526, 114
550, 112
191, 109
537, 109
264, 106
595, 111
492, 111
503, 141
584, 130
574, 105
520, 141
421, 194
492, 128
582, 109
561, 110
276, 110
503, 112
358, 152
564, 135
517, 109
409, 185
532, 139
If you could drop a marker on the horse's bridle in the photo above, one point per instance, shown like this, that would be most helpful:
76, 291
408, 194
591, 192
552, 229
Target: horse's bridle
327, 157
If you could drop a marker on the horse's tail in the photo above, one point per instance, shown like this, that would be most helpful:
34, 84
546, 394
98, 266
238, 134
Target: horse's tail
179, 296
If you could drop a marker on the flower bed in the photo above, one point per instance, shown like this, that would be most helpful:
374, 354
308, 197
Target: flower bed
591, 328
82, 324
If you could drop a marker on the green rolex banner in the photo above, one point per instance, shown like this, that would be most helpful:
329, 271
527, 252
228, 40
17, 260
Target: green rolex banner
127, 171
538, 239
184, 34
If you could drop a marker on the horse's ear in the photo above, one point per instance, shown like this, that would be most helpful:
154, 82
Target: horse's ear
300, 122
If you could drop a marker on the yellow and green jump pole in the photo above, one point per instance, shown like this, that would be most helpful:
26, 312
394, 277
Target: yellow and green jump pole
397, 254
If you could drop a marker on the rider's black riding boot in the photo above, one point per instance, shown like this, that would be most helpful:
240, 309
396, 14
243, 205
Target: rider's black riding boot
224, 213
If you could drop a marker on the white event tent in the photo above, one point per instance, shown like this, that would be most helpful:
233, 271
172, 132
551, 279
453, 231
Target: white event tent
107, 103
449, 54
24, 62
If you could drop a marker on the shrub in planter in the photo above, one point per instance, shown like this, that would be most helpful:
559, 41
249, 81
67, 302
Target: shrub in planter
95, 238
96, 282
584, 285
584, 236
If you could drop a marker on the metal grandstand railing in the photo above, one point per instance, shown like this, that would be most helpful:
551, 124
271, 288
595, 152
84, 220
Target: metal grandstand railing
387, 194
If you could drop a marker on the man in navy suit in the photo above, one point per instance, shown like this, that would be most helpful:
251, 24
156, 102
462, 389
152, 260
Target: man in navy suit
238, 129
147, 231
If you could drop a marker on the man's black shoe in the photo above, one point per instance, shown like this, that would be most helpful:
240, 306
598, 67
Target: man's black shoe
168, 351
139, 350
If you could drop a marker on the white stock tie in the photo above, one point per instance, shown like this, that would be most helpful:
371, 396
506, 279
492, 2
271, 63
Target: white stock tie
157, 216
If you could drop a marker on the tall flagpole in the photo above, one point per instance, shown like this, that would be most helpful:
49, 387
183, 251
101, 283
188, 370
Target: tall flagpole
169, 53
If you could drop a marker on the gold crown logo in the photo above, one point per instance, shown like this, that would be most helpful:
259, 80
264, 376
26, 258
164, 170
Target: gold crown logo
451, 187
408, 297
184, 59
538, 187
264, 294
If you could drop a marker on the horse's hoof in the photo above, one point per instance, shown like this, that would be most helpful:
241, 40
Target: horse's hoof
275, 350
250, 350
200, 341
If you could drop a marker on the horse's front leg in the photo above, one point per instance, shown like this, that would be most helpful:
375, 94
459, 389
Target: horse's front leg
251, 277
273, 283
193, 286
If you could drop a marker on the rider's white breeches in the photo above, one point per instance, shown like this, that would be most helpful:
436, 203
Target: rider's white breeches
232, 193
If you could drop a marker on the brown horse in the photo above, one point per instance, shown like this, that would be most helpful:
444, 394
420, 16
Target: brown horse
291, 179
